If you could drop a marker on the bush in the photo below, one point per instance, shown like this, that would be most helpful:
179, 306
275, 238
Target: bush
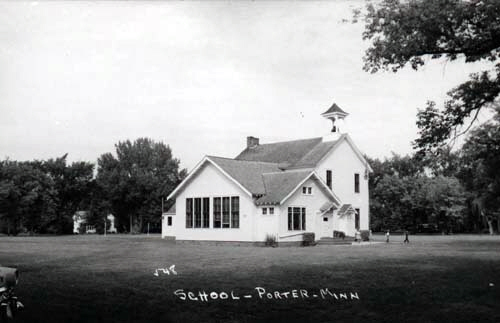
338, 234
270, 240
308, 239
365, 235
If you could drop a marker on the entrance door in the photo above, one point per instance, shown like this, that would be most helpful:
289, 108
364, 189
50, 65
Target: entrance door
326, 225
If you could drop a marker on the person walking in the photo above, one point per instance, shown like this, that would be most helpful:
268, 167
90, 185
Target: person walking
387, 237
406, 237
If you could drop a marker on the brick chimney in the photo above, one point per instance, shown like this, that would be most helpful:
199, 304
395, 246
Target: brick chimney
252, 142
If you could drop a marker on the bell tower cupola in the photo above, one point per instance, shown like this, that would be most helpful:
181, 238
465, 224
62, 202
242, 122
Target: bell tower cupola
335, 114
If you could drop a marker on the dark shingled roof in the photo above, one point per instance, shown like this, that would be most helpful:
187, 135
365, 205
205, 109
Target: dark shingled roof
312, 158
304, 153
281, 152
247, 173
278, 185
334, 108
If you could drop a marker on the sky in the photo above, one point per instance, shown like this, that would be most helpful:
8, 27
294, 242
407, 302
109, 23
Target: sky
78, 77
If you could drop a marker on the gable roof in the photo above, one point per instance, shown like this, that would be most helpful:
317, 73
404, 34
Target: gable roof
315, 155
247, 173
264, 181
280, 186
346, 209
305, 153
286, 152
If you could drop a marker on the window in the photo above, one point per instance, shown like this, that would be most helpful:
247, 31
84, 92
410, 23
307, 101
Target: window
197, 212
226, 212
169, 221
189, 213
356, 219
271, 210
235, 212
325, 219
264, 210
206, 212
217, 212
296, 218
307, 190
329, 178
356, 183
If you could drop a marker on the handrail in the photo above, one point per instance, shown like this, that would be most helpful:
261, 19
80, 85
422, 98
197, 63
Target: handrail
293, 235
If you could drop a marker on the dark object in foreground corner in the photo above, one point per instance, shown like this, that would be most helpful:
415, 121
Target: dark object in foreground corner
9, 304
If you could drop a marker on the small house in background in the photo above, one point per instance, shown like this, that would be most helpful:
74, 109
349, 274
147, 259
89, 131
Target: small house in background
281, 191
79, 219
112, 228
80, 224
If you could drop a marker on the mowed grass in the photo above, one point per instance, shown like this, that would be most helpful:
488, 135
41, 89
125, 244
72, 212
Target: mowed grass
110, 279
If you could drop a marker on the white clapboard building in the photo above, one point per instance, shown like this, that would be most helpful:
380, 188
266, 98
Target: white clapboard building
280, 190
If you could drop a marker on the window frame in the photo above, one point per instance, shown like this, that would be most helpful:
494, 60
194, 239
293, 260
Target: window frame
233, 216
217, 212
329, 178
357, 219
356, 183
302, 218
189, 213
205, 216
307, 190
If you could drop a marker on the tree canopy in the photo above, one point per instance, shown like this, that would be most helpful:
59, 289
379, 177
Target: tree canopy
135, 181
42, 196
413, 32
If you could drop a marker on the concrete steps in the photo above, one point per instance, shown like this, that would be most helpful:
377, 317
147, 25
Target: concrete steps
335, 241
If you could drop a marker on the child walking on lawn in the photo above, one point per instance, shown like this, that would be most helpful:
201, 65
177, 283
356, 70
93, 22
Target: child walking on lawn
387, 236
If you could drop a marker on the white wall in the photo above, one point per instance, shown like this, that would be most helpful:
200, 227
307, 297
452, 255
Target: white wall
166, 230
344, 163
267, 224
312, 203
210, 182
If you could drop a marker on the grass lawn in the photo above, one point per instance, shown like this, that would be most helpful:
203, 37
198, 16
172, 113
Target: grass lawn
110, 279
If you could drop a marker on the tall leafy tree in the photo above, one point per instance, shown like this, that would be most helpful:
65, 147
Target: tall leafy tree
136, 180
403, 194
410, 32
480, 164
27, 197
73, 186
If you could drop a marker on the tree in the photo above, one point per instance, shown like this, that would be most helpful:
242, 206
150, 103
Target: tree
402, 195
136, 180
27, 197
479, 172
73, 186
408, 32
